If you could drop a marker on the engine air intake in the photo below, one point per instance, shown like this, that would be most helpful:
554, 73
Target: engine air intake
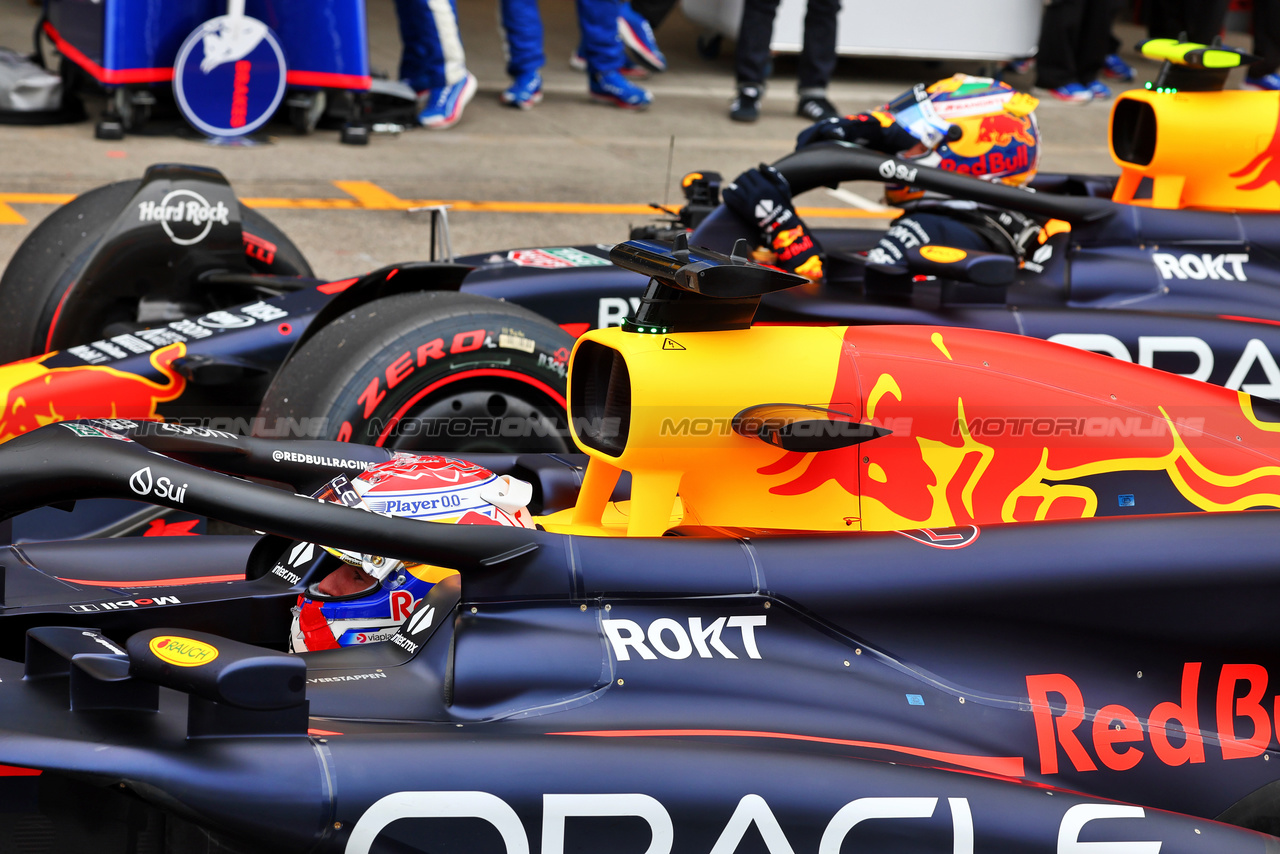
600, 398
1133, 132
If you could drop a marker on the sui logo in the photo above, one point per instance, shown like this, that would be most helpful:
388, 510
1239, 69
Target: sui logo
229, 77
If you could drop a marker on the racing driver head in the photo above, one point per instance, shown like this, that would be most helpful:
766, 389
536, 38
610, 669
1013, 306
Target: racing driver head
970, 125
367, 597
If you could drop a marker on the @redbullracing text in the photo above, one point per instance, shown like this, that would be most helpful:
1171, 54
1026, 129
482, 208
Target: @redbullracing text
317, 460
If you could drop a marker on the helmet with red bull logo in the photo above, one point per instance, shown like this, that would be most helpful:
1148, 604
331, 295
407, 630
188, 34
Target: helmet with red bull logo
367, 596
971, 125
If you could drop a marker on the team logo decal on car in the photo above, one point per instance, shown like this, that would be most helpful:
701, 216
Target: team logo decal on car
751, 810
1228, 266
97, 638
185, 215
183, 652
143, 483
892, 169
944, 538
1172, 730
38, 395
127, 603
670, 638
555, 258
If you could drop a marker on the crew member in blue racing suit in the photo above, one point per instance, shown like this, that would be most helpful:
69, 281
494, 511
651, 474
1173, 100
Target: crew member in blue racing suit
433, 61
600, 46
970, 125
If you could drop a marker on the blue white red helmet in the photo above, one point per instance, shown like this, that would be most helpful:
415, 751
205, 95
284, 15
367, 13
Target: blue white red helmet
437, 489
971, 125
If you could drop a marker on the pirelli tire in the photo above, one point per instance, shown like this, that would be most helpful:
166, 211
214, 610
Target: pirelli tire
428, 371
52, 257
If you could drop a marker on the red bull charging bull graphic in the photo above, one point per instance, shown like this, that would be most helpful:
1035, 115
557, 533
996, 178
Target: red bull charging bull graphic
999, 137
976, 439
34, 395
998, 130
1263, 169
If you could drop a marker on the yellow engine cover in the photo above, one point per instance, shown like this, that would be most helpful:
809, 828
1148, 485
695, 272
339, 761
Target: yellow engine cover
1206, 150
685, 390
984, 428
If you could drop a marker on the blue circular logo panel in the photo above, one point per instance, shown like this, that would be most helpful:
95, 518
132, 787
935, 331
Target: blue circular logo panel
229, 77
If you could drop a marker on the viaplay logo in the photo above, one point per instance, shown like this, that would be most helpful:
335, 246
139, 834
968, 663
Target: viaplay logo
229, 76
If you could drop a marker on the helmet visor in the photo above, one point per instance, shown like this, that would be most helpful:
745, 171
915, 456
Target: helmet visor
914, 111
342, 491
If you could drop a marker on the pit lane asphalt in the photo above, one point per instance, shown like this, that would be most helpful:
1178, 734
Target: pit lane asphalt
567, 150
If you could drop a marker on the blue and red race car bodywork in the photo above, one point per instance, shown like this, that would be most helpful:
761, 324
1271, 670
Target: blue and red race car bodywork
1115, 283
1045, 686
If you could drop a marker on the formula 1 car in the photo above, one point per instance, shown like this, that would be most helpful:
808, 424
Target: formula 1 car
766, 664
1185, 279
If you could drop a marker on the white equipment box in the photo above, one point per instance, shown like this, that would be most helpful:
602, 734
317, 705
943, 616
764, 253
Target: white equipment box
933, 29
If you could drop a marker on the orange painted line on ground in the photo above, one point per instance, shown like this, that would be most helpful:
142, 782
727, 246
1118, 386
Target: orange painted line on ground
371, 196
9, 216
366, 195
544, 207
579, 208
307, 204
37, 198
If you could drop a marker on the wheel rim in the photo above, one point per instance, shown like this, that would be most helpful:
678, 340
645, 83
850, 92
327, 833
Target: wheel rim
481, 412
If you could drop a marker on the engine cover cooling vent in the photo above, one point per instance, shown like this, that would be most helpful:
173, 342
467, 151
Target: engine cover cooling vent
600, 398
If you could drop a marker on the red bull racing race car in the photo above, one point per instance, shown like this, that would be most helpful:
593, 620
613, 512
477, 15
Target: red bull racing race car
723, 635
167, 298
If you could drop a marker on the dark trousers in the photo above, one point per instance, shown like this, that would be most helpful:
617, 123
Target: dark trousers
817, 56
1199, 20
433, 55
1266, 37
1075, 38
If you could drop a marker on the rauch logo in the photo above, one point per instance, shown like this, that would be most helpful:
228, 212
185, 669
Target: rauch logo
184, 652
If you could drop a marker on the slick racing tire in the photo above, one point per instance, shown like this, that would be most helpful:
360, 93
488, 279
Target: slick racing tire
52, 257
428, 371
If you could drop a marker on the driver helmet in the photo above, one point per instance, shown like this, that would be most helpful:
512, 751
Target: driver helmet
368, 596
971, 125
